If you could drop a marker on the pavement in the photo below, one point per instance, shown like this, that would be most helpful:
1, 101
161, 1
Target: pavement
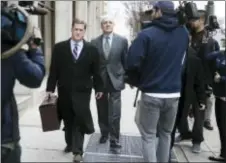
39, 146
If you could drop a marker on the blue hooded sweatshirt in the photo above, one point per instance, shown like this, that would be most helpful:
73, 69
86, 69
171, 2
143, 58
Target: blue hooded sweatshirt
157, 54
29, 69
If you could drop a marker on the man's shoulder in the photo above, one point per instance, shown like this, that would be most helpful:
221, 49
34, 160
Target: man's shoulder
96, 39
89, 45
120, 36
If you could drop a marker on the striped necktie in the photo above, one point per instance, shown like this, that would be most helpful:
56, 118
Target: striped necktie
75, 51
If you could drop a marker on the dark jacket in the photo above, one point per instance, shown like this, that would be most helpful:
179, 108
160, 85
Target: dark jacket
157, 56
219, 58
74, 81
29, 69
192, 79
203, 46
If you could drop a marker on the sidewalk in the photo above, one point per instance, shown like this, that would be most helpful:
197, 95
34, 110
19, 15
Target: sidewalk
48, 147
211, 146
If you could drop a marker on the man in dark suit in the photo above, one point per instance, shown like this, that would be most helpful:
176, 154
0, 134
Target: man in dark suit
112, 49
193, 93
75, 70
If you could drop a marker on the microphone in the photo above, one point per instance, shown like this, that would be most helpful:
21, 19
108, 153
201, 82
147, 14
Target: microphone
37, 11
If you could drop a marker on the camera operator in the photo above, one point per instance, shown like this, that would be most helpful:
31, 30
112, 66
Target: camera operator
204, 44
157, 54
26, 66
219, 91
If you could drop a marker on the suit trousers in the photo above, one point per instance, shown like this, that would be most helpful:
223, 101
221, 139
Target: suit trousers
74, 137
220, 111
197, 132
109, 112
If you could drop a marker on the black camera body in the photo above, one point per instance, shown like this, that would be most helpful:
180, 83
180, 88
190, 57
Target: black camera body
213, 24
185, 12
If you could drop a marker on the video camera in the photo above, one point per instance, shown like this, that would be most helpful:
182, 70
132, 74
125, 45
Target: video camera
188, 11
185, 12
17, 28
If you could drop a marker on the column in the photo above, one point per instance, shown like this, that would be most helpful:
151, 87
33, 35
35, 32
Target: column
99, 10
48, 36
94, 13
81, 10
63, 20
82, 13
89, 20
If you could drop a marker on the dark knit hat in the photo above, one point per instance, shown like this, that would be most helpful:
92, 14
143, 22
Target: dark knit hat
164, 6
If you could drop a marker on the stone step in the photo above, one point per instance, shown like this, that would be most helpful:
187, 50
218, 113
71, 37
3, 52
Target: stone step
23, 102
28, 98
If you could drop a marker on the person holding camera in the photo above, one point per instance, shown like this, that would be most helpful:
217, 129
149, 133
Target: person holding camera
26, 66
158, 54
219, 91
204, 44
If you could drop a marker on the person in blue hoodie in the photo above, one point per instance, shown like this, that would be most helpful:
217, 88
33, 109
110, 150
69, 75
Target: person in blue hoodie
219, 91
157, 55
28, 68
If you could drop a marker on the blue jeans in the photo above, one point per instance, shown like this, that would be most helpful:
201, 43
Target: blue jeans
156, 116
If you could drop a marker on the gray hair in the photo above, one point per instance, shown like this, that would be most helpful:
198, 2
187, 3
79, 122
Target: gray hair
107, 18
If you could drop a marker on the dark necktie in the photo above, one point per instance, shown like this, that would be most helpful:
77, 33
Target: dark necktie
107, 46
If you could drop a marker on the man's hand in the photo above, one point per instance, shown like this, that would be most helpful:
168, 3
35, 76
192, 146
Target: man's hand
25, 47
217, 77
99, 95
202, 107
37, 35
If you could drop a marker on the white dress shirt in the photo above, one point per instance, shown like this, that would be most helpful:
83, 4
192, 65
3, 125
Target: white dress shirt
110, 39
80, 45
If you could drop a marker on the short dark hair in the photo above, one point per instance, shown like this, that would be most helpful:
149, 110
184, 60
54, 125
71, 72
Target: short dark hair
78, 21
202, 14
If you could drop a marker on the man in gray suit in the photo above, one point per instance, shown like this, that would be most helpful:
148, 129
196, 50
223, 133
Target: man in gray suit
112, 49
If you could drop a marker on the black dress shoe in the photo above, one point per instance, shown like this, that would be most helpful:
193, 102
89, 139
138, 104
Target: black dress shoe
103, 139
115, 150
115, 144
218, 158
68, 149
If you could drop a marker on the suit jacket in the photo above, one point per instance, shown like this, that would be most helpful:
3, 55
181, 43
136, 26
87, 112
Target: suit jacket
114, 65
193, 83
75, 80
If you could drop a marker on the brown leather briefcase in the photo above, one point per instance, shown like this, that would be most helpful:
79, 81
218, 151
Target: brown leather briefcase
49, 115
